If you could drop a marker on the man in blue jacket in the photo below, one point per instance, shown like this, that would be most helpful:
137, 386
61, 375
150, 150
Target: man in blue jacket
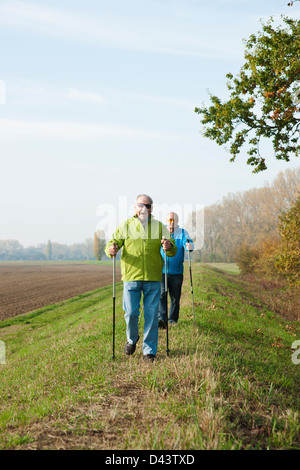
174, 272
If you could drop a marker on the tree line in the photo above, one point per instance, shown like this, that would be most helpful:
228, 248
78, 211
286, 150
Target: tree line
276, 257
246, 217
13, 250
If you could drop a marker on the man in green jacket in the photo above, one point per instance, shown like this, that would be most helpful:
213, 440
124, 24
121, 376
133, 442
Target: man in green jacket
141, 238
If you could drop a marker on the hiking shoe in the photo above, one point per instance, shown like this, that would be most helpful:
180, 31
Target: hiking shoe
130, 348
149, 357
162, 324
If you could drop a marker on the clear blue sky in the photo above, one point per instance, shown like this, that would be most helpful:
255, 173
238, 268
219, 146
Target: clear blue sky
97, 104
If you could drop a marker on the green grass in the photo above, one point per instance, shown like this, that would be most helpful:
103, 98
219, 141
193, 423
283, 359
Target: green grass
228, 267
228, 383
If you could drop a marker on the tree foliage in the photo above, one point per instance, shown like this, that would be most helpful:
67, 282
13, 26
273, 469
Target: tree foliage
245, 257
264, 98
99, 244
48, 250
288, 253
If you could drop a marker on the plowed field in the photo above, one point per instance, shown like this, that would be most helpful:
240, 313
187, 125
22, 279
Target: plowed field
26, 287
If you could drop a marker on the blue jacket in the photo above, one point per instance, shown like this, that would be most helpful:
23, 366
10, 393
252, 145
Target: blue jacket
175, 264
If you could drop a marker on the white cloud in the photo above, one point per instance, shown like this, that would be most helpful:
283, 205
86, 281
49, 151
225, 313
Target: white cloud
176, 102
83, 96
75, 131
35, 92
32, 93
38, 93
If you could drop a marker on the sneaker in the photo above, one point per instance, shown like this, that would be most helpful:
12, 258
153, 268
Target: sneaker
149, 357
162, 324
130, 348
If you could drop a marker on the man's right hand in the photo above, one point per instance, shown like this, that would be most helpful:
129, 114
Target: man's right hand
113, 249
166, 244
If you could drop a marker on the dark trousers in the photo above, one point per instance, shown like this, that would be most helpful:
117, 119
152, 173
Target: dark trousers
174, 288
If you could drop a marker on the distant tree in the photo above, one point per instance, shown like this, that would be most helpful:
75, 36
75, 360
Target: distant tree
88, 249
33, 253
49, 250
264, 98
97, 247
11, 249
288, 254
99, 244
265, 263
245, 257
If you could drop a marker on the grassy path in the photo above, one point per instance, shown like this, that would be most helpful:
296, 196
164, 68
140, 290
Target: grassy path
229, 382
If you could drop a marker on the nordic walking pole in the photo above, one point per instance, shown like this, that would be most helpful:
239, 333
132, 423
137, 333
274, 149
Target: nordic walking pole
114, 303
191, 282
166, 292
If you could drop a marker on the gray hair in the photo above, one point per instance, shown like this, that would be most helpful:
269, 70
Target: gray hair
145, 195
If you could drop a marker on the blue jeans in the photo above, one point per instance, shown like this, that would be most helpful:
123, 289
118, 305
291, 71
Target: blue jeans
132, 291
174, 284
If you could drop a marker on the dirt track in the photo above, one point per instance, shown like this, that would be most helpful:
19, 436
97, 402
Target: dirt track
26, 287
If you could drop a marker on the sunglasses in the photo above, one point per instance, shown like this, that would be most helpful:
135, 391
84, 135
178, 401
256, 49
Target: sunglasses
148, 206
170, 220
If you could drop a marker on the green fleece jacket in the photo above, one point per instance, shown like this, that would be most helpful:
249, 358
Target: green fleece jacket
140, 258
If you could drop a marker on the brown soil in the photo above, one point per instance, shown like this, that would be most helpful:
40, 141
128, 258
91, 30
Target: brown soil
26, 287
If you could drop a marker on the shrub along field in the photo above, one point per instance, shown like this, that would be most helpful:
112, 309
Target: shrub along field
231, 380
